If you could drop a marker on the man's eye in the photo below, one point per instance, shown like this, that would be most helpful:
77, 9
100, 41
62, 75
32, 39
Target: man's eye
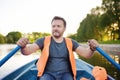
58, 25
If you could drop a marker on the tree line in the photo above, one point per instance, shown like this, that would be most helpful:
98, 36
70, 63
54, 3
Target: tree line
102, 23
14, 36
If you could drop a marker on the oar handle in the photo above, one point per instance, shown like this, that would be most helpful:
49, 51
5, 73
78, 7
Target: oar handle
10, 54
103, 53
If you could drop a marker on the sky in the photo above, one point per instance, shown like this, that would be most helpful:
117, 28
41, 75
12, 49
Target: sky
29, 16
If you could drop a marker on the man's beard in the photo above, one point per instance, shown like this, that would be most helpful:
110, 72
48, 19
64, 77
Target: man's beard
57, 34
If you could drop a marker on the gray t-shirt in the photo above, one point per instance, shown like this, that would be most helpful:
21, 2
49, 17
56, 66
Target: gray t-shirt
58, 55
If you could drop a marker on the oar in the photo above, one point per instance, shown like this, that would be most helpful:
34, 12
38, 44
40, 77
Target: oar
10, 54
103, 53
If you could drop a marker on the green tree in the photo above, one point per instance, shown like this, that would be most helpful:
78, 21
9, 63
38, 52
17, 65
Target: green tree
45, 34
102, 22
73, 36
2, 39
13, 37
111, 14
80, 32
89, 28
35, 35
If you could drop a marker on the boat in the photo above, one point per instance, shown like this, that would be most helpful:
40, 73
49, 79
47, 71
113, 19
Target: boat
29, 71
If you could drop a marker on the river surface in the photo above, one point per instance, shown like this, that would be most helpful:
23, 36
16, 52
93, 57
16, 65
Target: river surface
15, 61
19, 60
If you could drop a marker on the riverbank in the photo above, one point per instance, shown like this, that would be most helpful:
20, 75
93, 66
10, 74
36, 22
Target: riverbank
112, 49
110, 42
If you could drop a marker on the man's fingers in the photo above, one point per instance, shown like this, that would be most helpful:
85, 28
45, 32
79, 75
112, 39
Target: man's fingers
23, 42
93, 44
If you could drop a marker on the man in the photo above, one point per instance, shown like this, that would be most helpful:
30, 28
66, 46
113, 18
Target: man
58, 65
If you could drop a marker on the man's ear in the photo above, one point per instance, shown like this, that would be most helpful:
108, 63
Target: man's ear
65, 29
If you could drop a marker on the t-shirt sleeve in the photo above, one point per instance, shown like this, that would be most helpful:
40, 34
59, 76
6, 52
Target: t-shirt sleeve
40, 42
75, 44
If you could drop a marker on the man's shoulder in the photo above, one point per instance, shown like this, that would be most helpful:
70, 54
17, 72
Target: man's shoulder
71, 39
41, 39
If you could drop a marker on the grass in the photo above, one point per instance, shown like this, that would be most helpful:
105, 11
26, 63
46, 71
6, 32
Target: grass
106, 42
110, 42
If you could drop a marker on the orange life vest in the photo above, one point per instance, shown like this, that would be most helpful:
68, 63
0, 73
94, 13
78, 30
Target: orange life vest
45, 54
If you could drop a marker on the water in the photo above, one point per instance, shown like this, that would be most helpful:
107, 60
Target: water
15, 61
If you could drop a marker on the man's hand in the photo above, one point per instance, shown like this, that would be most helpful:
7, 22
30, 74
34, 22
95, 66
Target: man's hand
93, 44
89, 51
22, 42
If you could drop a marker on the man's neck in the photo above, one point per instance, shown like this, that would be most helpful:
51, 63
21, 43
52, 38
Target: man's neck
58, 40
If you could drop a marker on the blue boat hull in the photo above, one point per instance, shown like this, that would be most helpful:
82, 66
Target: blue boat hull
29, 71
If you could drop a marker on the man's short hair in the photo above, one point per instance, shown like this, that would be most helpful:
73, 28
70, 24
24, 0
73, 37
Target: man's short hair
59, 18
